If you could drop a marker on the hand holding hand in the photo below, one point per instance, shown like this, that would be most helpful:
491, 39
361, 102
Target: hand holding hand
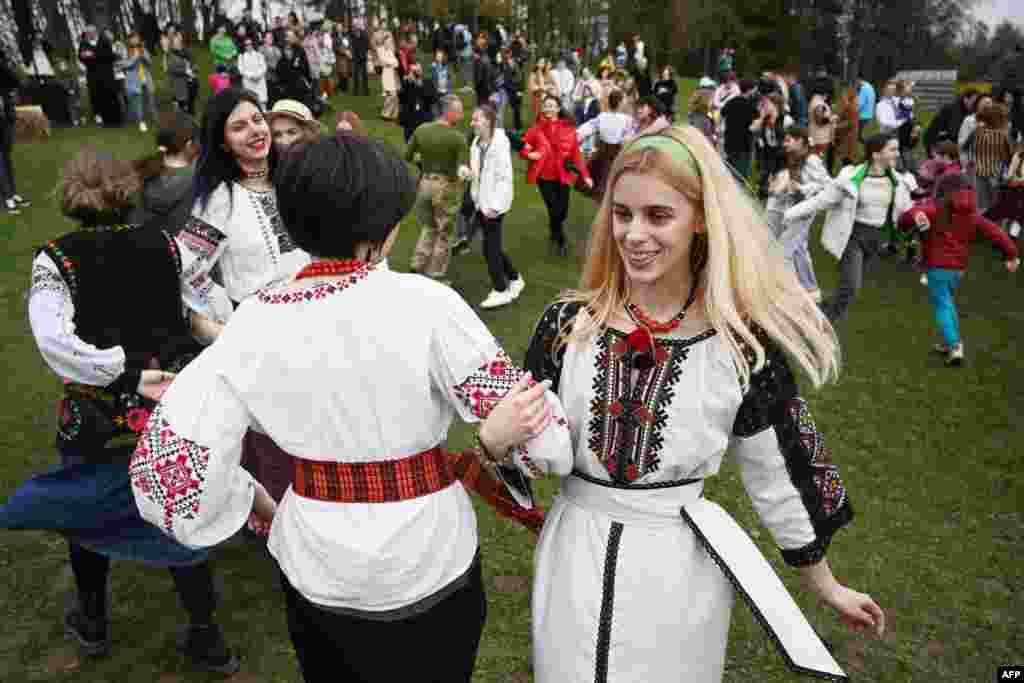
489, 214
521, 415
263, 510
1013, 265
589, 183
153, 383
921, 221
534, 156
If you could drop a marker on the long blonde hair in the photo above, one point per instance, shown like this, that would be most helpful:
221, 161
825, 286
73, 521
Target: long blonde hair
747, 284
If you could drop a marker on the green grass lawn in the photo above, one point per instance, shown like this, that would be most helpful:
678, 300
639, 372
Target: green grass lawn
929, 455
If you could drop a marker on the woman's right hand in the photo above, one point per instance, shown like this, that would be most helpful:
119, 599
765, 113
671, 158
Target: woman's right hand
521, 415
534, 156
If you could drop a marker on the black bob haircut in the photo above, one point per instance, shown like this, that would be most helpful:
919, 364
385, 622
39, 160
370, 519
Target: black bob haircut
338, 192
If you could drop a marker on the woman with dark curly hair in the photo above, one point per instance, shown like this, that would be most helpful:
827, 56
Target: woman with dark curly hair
105, 307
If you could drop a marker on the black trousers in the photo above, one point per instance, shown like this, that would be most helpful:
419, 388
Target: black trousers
193, 584
436, 646
498, 263
516, 103
7, 185
360, 86
556, 199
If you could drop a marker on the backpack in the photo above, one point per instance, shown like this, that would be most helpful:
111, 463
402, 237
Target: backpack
460, 40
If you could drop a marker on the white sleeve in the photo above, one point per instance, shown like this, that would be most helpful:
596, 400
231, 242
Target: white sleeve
186, 474
51, 313
886, 112
474, 374
588, 128
499, 196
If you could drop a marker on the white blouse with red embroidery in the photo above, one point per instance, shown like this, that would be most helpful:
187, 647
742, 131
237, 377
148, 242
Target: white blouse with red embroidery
366, 369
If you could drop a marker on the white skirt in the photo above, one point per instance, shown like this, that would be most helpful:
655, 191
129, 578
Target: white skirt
625, 592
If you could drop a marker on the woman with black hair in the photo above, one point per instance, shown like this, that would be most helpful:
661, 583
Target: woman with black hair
167, 175
555, 161
235, 224
105, 308
376, 539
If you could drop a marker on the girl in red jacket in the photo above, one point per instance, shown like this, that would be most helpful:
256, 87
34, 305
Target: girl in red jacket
555, 160
950, 223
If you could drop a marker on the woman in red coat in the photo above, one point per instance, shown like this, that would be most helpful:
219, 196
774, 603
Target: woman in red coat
555, 160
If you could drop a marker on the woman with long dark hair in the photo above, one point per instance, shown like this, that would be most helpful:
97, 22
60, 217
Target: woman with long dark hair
551, 147
236, 225
105, 307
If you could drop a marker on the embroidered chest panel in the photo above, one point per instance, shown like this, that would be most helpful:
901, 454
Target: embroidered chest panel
275, 237
630, 407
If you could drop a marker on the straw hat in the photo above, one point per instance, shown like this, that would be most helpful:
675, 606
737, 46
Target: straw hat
295, 110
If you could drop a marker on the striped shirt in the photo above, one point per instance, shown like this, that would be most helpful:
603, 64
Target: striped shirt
991, 151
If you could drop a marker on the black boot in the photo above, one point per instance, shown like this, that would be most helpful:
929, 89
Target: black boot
205, 646
87, 623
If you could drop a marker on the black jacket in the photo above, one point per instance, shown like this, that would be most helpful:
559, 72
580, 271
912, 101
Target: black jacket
293, 75
415, 102
360, 46
946, 123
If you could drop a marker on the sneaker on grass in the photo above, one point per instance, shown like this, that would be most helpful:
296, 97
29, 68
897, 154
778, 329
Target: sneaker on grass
956, 356
496, 299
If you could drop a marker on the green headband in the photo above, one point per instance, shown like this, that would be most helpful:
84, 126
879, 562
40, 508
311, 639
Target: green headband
670, 146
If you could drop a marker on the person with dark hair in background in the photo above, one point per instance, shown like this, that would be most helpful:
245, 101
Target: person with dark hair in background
416, 100
770, 129
666, 90
97, 54
115, 361
425, 359
864, 202
610, 128
293, 76
167, 175
9, 84
182, 74
555, 163
360, 57
513, 85
949, 119
649, 117
739, 114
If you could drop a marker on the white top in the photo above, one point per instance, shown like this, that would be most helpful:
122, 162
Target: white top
242, 231
564, 80
611, 127
888, 120
51, 315
253, 67
415, 356
492, 187
875, 198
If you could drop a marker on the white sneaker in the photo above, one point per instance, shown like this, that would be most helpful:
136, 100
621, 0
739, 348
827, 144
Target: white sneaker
99, 120
924, 280
496, 299
143, 127
956, 356
1015, 230
517, 286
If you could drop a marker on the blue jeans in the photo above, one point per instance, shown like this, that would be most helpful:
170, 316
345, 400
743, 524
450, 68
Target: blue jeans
140, 105
942, 284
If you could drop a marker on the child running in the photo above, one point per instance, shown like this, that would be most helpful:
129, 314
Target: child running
950, 223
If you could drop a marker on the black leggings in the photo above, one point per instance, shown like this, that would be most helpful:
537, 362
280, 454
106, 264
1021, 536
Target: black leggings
556, 199
498, 264
435, 646
194, 584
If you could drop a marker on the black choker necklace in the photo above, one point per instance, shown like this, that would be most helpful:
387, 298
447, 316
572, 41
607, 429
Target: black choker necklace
256, 175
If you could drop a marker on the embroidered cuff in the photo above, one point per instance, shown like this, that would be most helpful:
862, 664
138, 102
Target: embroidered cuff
814, 551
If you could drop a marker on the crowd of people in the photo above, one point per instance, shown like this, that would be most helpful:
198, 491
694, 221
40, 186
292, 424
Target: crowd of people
216, 400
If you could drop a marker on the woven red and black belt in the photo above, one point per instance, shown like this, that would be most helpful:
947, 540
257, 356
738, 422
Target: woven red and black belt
383, 481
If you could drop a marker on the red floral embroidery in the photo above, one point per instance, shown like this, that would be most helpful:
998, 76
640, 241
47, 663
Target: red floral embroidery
137, 419
169, 470
484, 388
313, 293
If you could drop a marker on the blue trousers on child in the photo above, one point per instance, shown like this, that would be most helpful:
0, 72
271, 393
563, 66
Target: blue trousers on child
942, 285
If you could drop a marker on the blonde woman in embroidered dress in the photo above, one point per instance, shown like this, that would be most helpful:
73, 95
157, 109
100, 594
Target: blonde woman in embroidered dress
236, 226
376, 539
675, 350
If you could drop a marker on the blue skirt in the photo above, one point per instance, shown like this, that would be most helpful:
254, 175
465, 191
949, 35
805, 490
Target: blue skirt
92, 504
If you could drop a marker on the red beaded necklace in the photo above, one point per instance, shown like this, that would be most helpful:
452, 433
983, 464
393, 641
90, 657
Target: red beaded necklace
329, 267
655, 326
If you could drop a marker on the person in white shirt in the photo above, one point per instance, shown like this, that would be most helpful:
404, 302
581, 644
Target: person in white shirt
357, 372
611, 128
253, 67
565, 82
490, 168
887, 111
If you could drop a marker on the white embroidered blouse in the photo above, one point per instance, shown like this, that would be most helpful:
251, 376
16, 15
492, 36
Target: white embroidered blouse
241, 231
611, 127
356, 371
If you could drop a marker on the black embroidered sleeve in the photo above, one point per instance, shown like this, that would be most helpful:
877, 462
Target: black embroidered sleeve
772, 401
543, 359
